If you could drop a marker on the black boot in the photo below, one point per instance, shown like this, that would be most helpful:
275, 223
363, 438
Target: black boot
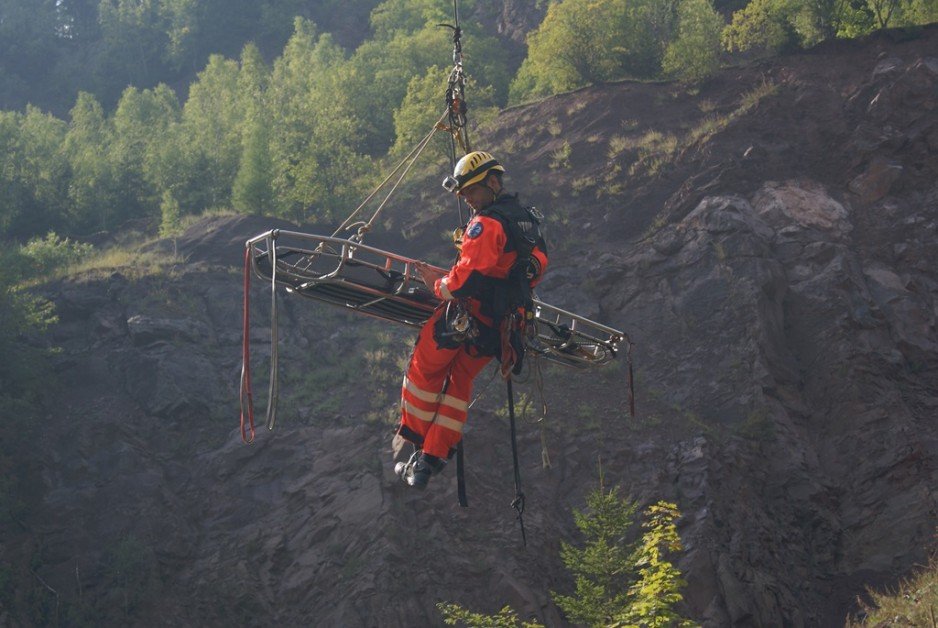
416, 472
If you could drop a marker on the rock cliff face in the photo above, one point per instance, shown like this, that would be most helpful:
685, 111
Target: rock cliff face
772, 252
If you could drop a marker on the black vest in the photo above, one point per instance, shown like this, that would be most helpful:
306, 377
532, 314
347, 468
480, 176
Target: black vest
522, 225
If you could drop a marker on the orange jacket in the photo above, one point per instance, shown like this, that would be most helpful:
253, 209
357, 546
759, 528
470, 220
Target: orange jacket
487, 256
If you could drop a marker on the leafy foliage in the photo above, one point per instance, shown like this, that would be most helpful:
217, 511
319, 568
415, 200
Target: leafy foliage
315, 164
589, 41
775, 25
42, 256
657, 590
304, 137
765, 24
453, 614
617, 582
33, 172
695, 53
601, 567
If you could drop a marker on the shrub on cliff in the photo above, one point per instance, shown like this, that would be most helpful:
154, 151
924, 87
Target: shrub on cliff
617, 582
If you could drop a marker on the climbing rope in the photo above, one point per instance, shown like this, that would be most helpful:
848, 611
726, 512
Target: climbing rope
246, 394
518, 502
273, 389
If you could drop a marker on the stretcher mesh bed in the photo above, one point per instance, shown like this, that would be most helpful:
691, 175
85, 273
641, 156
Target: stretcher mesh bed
385, 285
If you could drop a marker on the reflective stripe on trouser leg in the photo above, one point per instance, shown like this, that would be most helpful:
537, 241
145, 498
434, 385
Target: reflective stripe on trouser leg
441, 437
437, 419
426, 375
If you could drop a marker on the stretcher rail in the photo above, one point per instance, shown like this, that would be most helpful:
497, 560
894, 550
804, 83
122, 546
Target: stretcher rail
387, 286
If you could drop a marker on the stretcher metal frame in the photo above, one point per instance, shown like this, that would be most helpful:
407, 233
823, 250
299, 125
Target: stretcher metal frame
384, 285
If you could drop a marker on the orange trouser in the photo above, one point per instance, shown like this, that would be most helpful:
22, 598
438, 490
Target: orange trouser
432, 418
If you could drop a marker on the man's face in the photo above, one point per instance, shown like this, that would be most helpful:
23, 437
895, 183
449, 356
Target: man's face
478, 195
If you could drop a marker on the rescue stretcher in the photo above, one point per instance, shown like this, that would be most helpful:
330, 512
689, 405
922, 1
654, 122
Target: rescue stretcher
385, 285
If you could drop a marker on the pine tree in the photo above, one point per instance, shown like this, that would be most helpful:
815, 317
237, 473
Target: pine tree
657, 591
601, 568
618, 583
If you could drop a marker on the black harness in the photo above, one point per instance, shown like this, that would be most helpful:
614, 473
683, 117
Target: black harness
499, 297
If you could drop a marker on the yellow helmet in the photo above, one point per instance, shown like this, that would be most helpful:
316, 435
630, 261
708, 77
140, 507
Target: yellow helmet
471, 169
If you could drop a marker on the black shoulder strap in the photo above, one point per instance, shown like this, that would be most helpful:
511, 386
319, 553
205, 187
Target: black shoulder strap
522, 225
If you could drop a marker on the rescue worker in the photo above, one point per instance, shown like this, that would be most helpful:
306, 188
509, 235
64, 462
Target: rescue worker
502, 255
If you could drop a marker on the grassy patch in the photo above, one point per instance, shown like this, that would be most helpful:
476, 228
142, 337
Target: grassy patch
560, 158
582, 184
915, 603
752, 98
617, 144
131, 262
710, 126
707, 106
655, 150
553, 127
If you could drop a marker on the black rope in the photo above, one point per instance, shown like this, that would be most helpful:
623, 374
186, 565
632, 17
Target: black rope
456, 103
461, 476
518, 502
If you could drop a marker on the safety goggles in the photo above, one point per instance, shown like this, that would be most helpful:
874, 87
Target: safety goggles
451, 184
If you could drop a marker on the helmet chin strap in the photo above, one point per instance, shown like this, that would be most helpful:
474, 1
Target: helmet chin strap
494, 192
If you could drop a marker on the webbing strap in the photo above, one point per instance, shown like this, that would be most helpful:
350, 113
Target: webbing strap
461, 476
273, 389
630, 378
518, 502
246, 394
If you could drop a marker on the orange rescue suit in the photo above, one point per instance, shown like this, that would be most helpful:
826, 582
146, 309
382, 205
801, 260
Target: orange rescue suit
438, 384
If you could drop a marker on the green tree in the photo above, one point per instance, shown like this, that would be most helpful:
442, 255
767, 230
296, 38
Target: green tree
313, 132
922, 12
92, 192
34, 173
212, 118
142, 119
169, 213
618, 582
695, 53
396, 17
573, 46
253, 189
601, 568
408, 42
423, 105
775, 25
253, 184
658, 589
762, 24
581, 42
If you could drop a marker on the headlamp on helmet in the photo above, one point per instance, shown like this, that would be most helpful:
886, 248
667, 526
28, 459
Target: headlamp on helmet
471, 169
451, 184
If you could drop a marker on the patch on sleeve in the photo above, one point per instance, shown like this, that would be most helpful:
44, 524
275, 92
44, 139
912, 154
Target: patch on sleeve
475, 230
